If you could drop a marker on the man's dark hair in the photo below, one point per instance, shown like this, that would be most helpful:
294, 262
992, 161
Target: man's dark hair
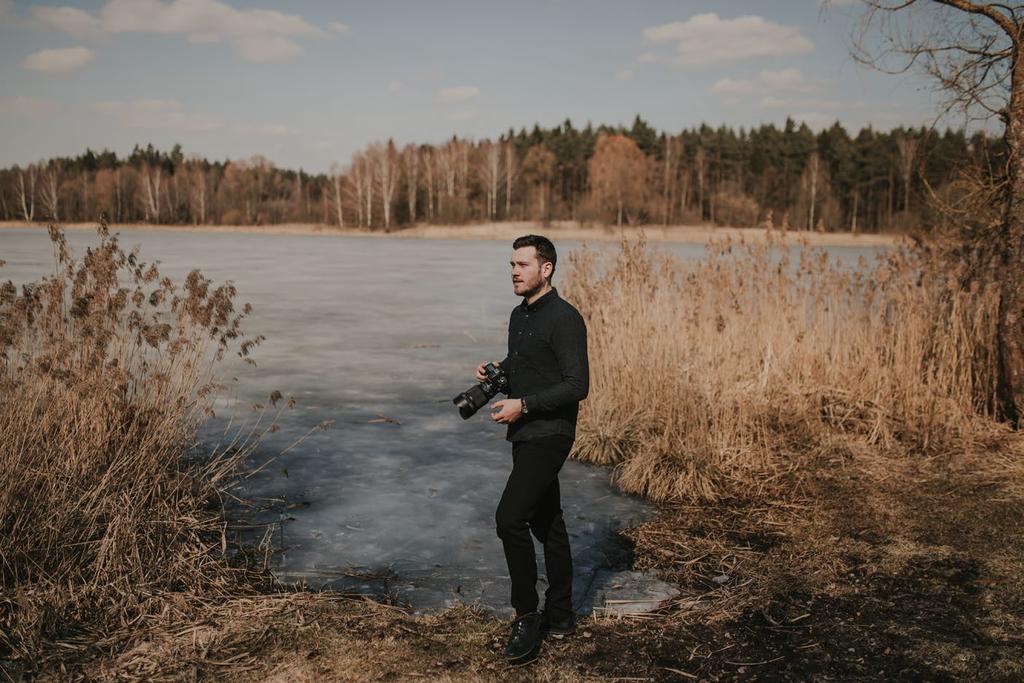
545, 249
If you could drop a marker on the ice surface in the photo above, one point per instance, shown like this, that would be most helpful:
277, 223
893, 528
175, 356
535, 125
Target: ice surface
357, 329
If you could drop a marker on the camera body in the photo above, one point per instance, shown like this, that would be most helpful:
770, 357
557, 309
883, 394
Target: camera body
476, 397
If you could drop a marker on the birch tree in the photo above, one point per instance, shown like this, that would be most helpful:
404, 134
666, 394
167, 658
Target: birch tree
51, 191
336, 181
490, 175
152, 181
362, 184
385, 176
429, 157
447, 169
27, 191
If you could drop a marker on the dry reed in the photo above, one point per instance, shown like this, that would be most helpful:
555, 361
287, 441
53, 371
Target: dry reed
713, 377
107, 514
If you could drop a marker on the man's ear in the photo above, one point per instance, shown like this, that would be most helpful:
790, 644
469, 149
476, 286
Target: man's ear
546, 269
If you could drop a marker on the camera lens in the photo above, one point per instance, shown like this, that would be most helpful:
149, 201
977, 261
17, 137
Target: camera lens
471, 401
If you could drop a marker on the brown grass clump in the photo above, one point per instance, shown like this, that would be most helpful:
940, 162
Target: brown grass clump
713, 377
106, 371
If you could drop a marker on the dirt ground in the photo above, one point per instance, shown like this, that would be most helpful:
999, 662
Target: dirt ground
862, 568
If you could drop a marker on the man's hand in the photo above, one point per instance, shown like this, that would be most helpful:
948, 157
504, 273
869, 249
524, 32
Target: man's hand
508, 410
480, 376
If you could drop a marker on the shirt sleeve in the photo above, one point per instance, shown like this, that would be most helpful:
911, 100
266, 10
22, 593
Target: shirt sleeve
569, 343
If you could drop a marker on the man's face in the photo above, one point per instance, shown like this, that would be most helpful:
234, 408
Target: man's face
528, 274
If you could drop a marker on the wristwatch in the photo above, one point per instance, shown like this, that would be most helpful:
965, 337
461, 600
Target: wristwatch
522, 402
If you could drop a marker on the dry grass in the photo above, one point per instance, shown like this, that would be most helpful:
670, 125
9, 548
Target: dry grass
821, 436
716, 377
108, 516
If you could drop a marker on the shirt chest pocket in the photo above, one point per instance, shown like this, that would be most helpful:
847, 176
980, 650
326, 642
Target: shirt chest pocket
533, 343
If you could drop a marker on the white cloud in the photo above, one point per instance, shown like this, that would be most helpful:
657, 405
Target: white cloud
709, 39
27, 107
266, 48
58, 61
259, 35
339, 28
157, 114
71, 20
206, 18
458, 93
784, 80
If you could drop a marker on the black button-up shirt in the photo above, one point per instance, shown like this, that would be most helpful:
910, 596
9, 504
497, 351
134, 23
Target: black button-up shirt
547, 366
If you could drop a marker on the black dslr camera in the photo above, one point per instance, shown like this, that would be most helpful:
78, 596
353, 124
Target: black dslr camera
475, 398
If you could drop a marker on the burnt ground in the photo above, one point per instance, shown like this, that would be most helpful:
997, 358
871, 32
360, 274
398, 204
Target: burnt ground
860, 568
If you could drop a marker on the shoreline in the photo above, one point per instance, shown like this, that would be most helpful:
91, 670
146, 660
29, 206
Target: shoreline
508, 231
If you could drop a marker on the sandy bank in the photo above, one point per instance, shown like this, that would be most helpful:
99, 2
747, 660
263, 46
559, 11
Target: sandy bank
692, 234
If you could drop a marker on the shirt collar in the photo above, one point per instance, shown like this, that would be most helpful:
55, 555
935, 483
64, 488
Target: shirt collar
549, 296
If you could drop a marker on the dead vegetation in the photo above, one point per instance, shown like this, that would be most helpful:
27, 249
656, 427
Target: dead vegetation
836, 502
109, 515
717, 377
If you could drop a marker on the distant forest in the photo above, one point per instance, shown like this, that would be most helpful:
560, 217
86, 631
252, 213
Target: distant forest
790, 177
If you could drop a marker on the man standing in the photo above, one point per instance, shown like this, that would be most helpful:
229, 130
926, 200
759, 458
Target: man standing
548, 375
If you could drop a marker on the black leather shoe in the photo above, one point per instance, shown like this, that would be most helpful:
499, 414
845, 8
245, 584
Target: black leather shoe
558, 628
525, 636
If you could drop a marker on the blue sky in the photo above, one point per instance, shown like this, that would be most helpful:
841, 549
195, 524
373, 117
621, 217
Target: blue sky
307, 83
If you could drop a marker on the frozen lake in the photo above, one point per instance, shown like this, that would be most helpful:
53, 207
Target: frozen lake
360, 328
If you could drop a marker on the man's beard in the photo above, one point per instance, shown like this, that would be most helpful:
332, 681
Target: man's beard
535, 289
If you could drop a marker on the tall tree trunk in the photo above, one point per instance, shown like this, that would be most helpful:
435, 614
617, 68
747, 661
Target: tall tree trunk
51, 193
27, 194
1010, 268
368, 194
337, 200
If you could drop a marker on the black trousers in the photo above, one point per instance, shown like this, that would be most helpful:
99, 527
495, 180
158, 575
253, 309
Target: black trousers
531, 504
